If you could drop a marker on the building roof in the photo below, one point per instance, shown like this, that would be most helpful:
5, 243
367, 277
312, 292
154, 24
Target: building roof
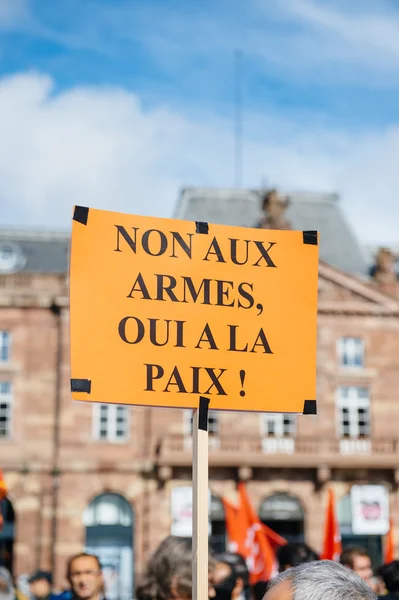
33, 251
29, 251
322, 212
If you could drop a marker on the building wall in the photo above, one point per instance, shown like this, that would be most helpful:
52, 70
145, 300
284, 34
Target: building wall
84, 468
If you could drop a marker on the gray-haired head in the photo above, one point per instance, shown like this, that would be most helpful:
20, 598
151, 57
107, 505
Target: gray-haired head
324, 580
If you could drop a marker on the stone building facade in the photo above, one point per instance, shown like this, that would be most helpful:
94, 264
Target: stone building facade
112, 479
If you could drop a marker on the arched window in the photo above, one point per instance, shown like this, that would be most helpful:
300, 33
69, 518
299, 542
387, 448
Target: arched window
285, 515
108, 509
109, 522
7, 534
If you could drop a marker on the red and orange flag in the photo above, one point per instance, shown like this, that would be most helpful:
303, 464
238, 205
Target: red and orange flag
249, 537
389, 554
3, 494
332, 547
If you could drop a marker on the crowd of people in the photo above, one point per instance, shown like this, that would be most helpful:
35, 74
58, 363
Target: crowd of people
302, 576
168, 576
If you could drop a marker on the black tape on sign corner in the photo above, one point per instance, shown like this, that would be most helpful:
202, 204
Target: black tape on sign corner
81, 214
310, 407
81, 385
201, 227
203, 413
311, 238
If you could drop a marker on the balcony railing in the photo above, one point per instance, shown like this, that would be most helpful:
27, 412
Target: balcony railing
259, 451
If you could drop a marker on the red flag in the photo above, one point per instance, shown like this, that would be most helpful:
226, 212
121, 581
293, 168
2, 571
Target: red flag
389, 554
3, 487
3, 494
235, 526
258, 551
332, 548
248, 536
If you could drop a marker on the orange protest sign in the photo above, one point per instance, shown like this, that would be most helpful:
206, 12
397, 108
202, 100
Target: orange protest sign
163, 311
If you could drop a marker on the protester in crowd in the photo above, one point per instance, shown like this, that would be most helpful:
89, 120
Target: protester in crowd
294, 554
40, 588
85, 576
378, 586
260, 589
40, 584
7, 590
390, 576
23, 587
169, 573
319, 580
231, 577
358, 560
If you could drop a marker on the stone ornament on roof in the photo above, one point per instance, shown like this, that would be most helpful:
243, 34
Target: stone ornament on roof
385, 272
274, 206
385, 269
12, 258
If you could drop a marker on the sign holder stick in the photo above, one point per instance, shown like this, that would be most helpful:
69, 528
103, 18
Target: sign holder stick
200, 500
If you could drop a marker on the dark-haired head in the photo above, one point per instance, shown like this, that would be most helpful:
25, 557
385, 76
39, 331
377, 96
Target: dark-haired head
350, 553
236, 562
169, 572
294, 554
358, 559
260, 589
390, 575
231, 576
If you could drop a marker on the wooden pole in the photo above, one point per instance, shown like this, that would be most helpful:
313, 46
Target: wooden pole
200, 501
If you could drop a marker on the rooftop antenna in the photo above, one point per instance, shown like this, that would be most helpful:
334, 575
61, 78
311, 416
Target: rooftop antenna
238, 54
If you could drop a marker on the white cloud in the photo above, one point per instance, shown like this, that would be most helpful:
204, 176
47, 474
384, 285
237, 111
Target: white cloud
364, 36
98, 147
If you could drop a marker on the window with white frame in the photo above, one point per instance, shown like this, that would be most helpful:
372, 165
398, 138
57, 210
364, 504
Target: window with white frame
353, 405
111, 422
278, 425
351, 352
5, 346
5, 409
213, 422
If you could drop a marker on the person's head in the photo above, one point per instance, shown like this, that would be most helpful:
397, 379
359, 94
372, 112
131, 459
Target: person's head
319, 580
85, 576
390, 576
230, 576
169, 572
358, 560
40, 584
260, 589
6, 585
294, 554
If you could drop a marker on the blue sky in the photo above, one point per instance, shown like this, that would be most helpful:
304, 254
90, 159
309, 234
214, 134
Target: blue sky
119, 103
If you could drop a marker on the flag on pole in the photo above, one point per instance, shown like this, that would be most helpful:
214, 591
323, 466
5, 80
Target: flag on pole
332, 547
235, 526
258, 550
389, 554
3, 494
249, 537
